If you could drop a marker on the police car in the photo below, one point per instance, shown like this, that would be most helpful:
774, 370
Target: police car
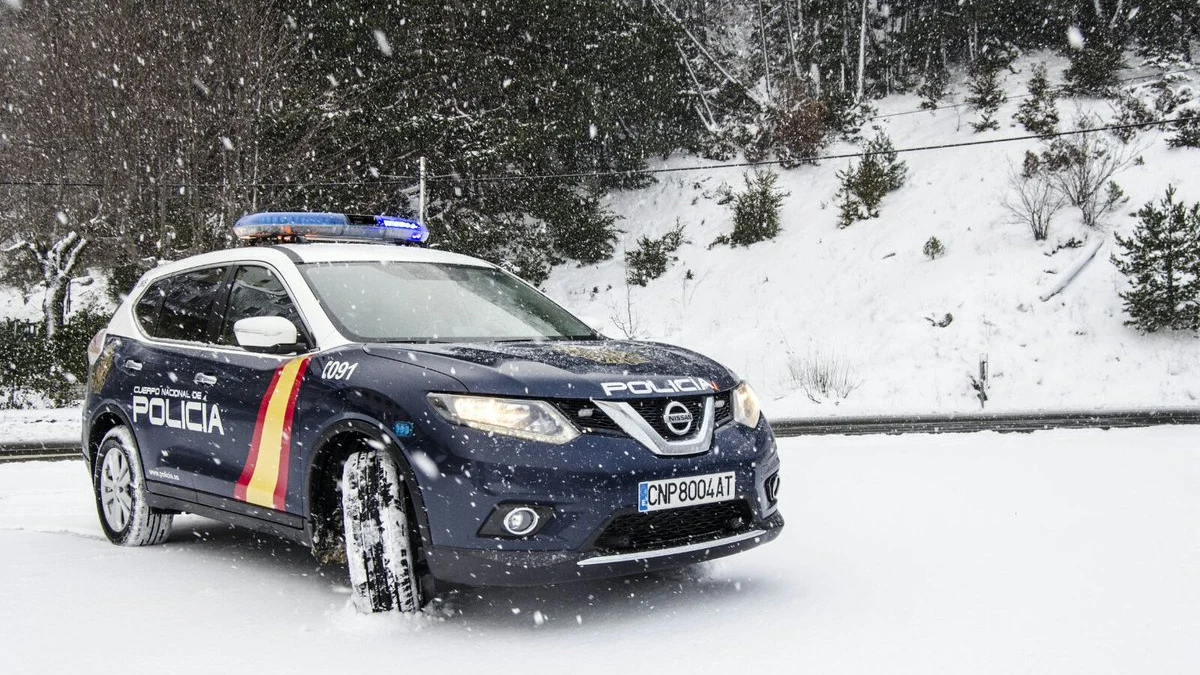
416, 415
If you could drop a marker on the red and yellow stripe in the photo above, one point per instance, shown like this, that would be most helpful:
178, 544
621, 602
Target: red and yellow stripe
265, 476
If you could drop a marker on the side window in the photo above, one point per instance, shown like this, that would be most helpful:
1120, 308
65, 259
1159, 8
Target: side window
148, 306
187, 304
256, 291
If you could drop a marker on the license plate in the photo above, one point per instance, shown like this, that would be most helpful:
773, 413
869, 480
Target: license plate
672, 493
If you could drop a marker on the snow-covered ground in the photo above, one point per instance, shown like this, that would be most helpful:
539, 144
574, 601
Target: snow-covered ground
1056, 552
866, 296
49, 425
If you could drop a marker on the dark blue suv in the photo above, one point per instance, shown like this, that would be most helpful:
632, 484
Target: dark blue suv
417, 415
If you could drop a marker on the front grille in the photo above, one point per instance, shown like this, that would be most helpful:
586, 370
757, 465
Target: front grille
589, 418
675, 527
652, 410
723, 408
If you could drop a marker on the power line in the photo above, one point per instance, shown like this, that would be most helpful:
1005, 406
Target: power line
387, 180
400, 179
803, 160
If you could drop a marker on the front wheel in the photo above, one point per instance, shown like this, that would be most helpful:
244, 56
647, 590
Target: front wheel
379, 549
120, 489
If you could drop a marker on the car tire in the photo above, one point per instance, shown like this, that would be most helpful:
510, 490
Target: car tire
379, 548
120, 487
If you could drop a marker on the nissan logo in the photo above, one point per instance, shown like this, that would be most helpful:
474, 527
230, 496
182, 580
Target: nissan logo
678, 418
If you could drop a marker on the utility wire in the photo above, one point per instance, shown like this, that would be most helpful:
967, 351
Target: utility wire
803, 160
453, 177
385, 180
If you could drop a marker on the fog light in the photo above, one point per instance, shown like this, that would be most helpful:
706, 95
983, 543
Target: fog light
771, 486
521, 521
516, 521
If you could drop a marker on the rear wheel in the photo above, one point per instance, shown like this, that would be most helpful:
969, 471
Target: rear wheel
379, 548
120, 489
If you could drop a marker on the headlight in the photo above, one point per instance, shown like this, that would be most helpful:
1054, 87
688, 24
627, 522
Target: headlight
532, 420
746, 410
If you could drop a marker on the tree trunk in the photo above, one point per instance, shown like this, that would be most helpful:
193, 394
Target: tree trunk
57, 262
762, 30
862, 54
791, 33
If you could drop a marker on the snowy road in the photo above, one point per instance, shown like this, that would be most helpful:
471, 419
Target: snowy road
1057, 552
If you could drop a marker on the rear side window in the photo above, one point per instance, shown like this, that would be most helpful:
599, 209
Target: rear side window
186, 304
256, 291
148, 306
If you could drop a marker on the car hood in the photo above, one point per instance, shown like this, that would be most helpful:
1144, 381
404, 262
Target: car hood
613, 369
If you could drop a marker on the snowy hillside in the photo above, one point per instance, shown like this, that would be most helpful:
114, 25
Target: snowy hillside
867, 297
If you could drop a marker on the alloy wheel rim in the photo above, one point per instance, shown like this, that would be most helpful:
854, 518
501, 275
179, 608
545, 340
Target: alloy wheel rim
116, 490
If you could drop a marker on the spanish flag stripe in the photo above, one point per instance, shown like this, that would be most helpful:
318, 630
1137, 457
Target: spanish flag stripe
266, 472
281, 481
239, 492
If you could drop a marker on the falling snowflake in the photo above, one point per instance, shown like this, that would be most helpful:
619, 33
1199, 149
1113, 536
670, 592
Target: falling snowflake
1075, 37
382, 42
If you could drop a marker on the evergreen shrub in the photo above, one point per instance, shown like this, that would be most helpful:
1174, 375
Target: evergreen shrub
653, 256
1037, 113
1162, 264
755, 210
864, 186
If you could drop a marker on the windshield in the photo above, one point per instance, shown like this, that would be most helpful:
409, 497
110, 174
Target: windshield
383, 301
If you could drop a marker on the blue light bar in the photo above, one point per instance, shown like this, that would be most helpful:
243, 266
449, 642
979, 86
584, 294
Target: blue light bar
285, 226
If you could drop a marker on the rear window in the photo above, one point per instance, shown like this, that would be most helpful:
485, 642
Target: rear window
179, 307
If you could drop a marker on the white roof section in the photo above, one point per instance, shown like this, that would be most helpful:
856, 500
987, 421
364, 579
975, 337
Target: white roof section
354, 252
318, 253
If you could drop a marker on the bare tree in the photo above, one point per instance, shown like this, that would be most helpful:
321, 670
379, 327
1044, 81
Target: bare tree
57, 263
1033, 200
1082, 166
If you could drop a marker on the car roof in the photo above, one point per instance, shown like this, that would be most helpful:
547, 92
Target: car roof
318, 253
353, 252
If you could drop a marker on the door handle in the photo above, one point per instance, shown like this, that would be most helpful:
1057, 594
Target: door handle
204, 378
130, 364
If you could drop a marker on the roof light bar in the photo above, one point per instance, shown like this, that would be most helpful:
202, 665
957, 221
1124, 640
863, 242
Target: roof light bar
300, 227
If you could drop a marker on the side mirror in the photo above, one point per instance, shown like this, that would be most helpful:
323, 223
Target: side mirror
266, 334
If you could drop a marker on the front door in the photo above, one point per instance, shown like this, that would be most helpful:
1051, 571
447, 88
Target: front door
253, 461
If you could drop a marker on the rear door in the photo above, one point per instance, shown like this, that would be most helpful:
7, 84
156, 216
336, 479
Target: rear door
174, 422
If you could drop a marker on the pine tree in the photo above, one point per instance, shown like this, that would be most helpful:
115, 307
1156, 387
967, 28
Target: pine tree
1097, 46
986, 96
933, 88
850, 207
1187, 130
756, 211
1162, 264
933, 248
1037, 113
863, 187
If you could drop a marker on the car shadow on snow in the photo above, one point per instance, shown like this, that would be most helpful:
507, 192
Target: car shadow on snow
700, 588
214, 539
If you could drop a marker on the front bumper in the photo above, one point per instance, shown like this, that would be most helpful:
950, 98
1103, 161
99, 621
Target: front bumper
535, 568
587, 486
